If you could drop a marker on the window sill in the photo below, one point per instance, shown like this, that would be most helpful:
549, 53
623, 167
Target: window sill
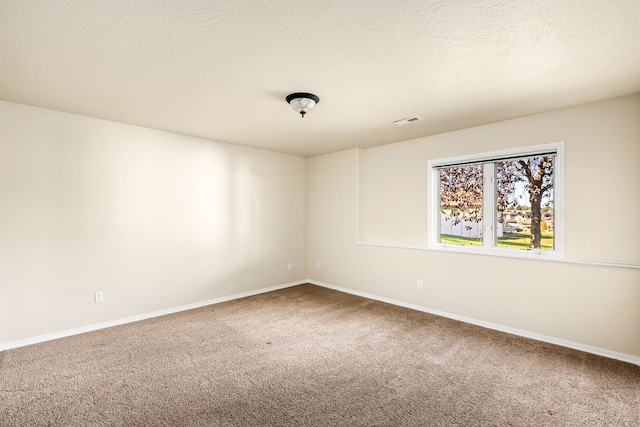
506, 253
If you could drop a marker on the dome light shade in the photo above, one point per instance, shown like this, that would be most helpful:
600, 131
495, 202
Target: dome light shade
302, 102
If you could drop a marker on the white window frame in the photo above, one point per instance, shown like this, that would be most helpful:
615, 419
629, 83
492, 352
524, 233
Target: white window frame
489, 246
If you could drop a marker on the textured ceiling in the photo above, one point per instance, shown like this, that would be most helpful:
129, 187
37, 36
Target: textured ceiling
220, 69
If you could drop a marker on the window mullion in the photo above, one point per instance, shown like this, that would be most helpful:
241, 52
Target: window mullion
489, 206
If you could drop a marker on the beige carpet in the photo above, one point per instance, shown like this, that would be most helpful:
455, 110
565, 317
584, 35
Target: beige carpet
309, 356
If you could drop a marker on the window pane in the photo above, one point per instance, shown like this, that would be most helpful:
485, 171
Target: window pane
461, 204
524, 191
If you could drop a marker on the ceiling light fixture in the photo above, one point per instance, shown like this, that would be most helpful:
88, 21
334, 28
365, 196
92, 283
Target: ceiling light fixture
302, 102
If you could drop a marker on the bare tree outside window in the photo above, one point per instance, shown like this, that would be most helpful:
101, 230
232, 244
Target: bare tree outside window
525, 186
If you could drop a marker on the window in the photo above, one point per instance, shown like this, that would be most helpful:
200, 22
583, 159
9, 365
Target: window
507, 201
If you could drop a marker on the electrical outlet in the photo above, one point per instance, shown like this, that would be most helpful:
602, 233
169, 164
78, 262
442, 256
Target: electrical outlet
290, 266
317, 264
98, 296
419, 283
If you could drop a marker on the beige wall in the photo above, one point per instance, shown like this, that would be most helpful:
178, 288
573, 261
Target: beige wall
587, 304
158, 220
154, 220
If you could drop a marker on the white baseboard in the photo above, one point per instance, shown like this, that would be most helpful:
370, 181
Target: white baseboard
538, 337
108, 324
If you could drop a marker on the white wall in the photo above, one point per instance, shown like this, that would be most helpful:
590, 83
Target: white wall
154, 220
380, 195
158, 220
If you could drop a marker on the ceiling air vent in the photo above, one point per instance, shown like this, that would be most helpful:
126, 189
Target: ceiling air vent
406, 121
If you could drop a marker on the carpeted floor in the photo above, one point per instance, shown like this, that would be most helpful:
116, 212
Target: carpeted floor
309, 356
